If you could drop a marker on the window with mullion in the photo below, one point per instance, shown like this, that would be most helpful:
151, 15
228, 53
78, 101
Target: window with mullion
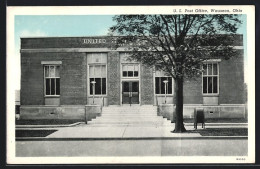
97, 74
210, 78
52, 80
160, 85
130, 70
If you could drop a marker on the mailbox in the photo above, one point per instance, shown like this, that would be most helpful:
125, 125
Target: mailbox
199, 117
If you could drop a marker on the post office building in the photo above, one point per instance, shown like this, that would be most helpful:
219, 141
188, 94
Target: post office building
60, 76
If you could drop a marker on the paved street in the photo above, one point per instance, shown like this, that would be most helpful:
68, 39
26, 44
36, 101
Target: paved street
160, 147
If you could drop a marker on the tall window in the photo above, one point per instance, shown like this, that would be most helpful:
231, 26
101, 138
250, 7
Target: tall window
210, 78
97, 74
160, 76
160, 85
130, 70
52, 80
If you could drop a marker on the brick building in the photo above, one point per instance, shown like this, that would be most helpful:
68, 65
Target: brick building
57, 75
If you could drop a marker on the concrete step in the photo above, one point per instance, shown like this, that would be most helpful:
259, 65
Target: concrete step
135, 122
131, 118
130, 111
129, 115
126, 120
123, 113
144, 112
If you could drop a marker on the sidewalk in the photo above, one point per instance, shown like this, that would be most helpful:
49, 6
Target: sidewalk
136, 131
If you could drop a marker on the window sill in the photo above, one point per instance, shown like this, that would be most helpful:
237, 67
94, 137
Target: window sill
131, 77
97, 96
53, 96
51, 105
210, 104
164, 94
210, 95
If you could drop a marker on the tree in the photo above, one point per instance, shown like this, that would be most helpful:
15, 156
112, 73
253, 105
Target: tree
176, 44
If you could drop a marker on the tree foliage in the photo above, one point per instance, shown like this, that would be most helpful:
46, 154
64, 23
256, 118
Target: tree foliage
177, 44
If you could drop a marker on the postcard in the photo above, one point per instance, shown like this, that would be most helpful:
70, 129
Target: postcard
130, 84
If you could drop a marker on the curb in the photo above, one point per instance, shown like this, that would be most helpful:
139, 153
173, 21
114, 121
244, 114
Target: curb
48, 126
219, 124
126, 138
77, 123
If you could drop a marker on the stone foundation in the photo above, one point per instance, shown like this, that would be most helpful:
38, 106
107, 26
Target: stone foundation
167, 111
219, 111
88, 112
92, 111
53, 112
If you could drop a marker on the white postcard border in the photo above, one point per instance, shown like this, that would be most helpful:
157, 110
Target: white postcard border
109, 10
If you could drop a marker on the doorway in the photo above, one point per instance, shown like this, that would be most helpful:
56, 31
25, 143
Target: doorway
130, 92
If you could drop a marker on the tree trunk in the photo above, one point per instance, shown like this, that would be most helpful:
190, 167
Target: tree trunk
179, 127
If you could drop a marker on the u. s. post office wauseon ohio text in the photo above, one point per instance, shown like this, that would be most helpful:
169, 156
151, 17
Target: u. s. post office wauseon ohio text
69, 77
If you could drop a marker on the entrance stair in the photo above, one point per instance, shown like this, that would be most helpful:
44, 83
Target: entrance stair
130, 115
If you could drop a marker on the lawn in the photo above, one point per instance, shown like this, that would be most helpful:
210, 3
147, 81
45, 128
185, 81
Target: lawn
219, 120
222, 132
46, 121
33, 133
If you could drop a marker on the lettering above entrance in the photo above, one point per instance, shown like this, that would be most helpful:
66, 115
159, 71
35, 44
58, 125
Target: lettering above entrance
94, 41
99, 41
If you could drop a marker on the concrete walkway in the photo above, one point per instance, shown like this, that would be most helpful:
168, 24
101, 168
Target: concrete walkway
130, 131
127, 131
119, 131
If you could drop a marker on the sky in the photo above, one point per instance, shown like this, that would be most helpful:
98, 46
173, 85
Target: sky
72, 25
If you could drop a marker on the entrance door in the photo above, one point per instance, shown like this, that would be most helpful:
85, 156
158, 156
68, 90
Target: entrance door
130, 92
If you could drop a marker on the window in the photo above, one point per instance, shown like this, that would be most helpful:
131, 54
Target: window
160, 85
52, 80
97, 74
161, 76
210, 78
130, 70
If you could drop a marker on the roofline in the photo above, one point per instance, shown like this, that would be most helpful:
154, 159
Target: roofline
41, 37
64, 36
